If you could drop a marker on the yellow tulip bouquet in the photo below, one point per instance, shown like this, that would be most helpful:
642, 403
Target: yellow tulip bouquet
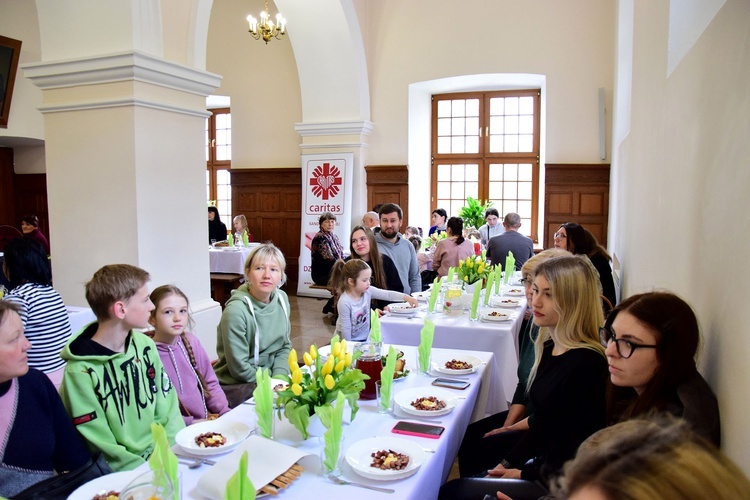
318, 383
474, 268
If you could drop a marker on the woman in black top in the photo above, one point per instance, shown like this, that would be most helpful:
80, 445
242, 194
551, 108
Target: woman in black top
217, 230
363, 245
652, 340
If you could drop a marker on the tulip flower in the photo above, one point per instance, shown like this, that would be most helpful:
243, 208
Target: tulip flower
296, 389
297, 376
307, 359
348, 359
340, 365
336, 350
329, 382
293, 360
313, 352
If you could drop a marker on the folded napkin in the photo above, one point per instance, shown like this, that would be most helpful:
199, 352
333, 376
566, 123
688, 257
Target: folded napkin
434, 293
230, 240
332, 417
239, 486
426, 336
245, 239
375, 335
263, 397
266, 460
510, 266
488, 288
386, 378
475, 299
450, 274
163, 461
498, 278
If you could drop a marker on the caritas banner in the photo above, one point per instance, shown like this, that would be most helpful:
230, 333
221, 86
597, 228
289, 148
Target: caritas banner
326, 187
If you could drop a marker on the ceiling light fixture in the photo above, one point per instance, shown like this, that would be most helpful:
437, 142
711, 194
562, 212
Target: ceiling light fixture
266, 29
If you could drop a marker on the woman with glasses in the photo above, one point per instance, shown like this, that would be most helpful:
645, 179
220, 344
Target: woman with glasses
565, 399
651, 342
576, 239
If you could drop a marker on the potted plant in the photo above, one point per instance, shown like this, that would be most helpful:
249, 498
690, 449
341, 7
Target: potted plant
318, 384
473, 212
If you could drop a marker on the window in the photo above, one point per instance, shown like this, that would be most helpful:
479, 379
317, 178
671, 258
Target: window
219, 161
486, 145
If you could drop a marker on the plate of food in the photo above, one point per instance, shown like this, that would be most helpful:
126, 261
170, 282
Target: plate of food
385, 458
459, 364
505, 302
402, 308
495, 316
421, 296
401, 372
212, 437
426, 401
516, 292
105, 487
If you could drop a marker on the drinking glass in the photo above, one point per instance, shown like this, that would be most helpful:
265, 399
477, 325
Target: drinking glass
389, 404
149, 486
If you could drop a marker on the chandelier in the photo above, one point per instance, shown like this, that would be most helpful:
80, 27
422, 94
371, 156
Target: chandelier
266, 29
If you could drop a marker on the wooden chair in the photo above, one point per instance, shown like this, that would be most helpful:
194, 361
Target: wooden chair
222, 284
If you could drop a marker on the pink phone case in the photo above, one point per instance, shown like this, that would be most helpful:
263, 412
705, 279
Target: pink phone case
417, 434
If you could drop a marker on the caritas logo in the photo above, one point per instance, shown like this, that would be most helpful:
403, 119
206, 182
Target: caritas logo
325, 181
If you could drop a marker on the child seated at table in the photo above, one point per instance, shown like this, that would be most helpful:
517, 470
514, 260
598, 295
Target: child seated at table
184, 358
351, 280
115, 385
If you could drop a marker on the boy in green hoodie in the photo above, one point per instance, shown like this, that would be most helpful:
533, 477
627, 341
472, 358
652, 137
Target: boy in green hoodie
114, 384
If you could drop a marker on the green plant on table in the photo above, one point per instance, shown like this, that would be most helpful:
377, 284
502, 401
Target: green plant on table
473, 268
473, 212
318, 383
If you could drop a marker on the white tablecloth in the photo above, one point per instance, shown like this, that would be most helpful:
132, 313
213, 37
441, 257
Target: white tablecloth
369, 423
459, 332
79, 317
229, 260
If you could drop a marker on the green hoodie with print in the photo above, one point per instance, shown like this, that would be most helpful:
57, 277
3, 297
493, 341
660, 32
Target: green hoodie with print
113, 397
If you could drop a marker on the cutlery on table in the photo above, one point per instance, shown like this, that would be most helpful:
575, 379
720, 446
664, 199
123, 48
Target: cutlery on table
198, 459
338, 480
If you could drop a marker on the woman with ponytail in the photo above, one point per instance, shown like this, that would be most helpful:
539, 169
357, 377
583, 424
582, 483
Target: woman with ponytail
184, 358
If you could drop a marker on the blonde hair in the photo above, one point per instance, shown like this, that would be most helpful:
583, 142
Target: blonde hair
658, 457
529, 267
113, 283
243, 220
162, 292
263, 253
574, 284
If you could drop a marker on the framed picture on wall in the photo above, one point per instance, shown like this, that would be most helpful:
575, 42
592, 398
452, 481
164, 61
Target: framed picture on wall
10, 52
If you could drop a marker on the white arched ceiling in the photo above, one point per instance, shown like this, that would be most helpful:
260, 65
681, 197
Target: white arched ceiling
330, 55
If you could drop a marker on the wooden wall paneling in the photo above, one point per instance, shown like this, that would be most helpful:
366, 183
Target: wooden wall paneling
7, 206
576, 193
271, 200
31, 198
389, 184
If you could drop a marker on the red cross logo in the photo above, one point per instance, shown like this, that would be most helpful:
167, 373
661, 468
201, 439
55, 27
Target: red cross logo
325, 181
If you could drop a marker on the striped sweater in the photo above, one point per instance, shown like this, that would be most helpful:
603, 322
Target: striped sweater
45, 323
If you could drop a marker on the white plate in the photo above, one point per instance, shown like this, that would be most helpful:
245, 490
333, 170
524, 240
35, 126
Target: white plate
325, 351
499, 316
421, 296
505, 302
402, 308
516, 292
104, 484
235, 432
439, 364
404, 398
358, 456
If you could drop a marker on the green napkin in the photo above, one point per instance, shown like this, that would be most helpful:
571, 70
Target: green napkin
510, 267
498, 278
230, 240
245, 239
434, 293
333, 421
375, 335
239, 486
450, 275
475, 299
425, 345
386, 378
263, 396
484, 254
488, 288
162, 461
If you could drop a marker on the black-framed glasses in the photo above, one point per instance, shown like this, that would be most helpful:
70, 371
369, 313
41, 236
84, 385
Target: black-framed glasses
560, 236
526, 282
625, 348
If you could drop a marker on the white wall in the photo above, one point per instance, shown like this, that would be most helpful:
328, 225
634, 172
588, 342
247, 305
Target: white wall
682, 178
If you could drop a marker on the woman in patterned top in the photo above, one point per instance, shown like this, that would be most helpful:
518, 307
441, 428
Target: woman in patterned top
45, 319
326, 250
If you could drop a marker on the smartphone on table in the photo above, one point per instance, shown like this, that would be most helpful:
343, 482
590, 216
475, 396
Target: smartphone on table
451, 383
418, 430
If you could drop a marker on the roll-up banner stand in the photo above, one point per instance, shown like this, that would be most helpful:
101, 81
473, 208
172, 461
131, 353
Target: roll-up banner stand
326, 187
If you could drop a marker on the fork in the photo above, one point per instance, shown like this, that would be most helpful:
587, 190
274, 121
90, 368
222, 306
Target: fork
338, 480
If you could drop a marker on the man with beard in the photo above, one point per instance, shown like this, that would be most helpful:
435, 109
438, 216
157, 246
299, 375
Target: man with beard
392, 243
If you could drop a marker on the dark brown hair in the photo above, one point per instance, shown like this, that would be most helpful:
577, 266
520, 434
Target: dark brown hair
376, 259
342, 272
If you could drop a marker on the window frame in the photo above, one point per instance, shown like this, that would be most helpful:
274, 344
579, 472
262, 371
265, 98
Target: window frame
212, 164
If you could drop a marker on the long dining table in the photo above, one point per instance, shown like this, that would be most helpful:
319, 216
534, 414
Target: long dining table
460, 332
424, 484
229, 259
